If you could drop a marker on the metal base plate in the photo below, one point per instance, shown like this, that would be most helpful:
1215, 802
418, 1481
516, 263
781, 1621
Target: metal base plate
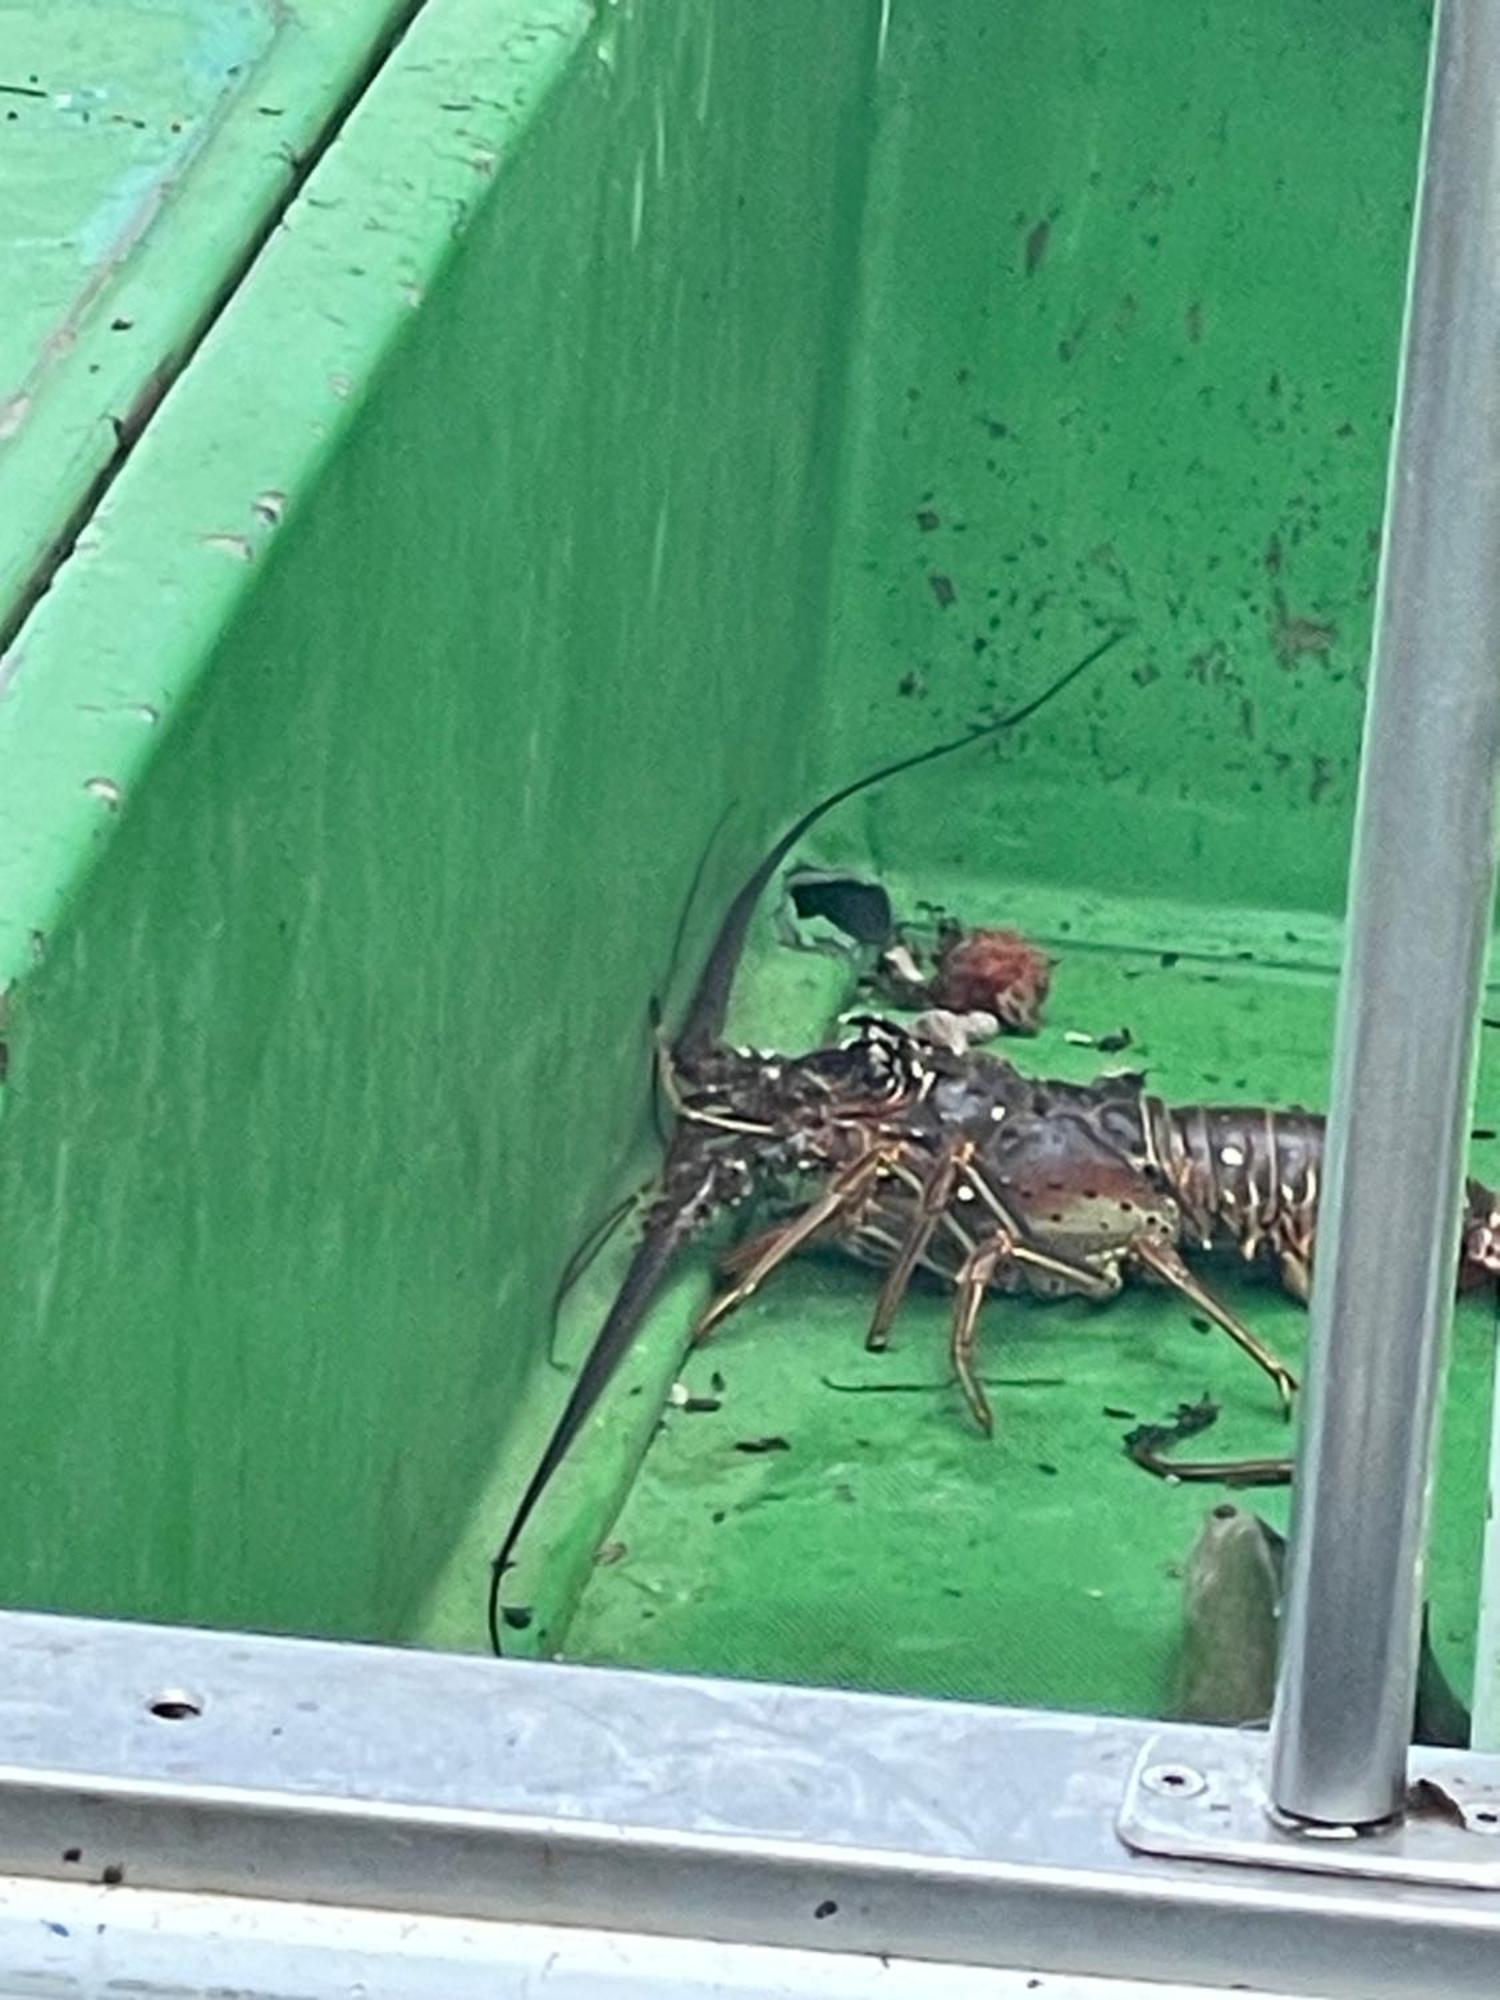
1188, 1807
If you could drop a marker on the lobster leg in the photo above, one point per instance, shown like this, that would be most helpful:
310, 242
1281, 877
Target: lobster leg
743, 1255
1080, 1278
740, 1256
777, 1245
1166, 1262
1296, 1278
1148, 1446
936, 1192
974, 1278
1217, 1471
973, 1282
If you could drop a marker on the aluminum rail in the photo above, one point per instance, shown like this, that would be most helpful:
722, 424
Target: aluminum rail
361, 1782
1421, 894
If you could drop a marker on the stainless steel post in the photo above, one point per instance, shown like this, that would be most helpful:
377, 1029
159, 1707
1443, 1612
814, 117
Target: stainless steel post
1421, 892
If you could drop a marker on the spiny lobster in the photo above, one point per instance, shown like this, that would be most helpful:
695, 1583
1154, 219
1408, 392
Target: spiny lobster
1000, 1182
908, 1155
702, 1175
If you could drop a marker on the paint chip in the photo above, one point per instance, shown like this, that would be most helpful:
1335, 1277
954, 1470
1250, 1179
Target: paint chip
231, 545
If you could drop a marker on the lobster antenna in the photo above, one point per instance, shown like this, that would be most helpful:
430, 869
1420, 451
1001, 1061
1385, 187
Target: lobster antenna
654, 1257
688, 901
600, 1232
660, 1246
703, 1024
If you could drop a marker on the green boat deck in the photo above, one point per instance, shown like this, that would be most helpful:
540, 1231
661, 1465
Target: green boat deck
838, 1519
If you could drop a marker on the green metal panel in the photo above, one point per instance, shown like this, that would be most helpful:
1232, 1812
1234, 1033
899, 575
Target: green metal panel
145, 150
1127, 350
483, 547
648, 407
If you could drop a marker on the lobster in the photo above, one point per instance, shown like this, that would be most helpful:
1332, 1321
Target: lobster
754, 1118
998, 1182
905, 1153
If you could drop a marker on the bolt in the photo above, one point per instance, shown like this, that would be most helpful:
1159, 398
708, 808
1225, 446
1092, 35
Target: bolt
1174, 1781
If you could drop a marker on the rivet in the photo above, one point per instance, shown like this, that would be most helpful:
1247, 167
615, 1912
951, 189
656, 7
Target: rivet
1174, 1781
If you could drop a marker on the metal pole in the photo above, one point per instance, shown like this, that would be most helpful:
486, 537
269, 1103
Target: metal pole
1421, 893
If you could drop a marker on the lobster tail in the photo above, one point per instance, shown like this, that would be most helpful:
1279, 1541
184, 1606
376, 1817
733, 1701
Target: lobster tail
1247, 1179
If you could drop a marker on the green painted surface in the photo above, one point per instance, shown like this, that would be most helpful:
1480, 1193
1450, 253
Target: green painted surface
891, 1546
647, 407
298, 1132
144, 148
1129, 315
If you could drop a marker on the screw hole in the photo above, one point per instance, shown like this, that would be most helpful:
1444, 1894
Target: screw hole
176, 1706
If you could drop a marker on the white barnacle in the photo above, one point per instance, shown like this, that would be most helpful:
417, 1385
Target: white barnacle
1232, 1156
997, 1112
